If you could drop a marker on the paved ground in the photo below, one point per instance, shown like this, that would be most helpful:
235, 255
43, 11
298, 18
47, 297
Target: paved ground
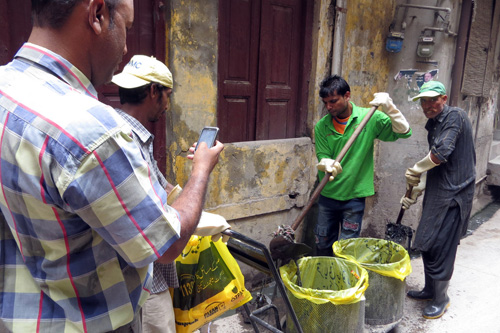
474, 291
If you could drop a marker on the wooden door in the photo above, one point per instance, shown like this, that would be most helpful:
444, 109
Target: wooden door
147, 36
15, 27
264, 49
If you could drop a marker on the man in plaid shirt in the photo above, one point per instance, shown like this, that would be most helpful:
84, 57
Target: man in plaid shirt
82, 219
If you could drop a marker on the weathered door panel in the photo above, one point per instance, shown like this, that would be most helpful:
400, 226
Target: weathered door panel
278, 68
261, 55
238, 59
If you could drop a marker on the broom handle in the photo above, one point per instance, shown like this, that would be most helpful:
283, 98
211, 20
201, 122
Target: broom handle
339, 158
402, 210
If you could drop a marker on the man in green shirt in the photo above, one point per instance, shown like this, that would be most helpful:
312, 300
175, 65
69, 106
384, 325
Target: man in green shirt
342, 202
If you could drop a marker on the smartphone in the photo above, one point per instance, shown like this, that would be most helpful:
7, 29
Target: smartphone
208, 135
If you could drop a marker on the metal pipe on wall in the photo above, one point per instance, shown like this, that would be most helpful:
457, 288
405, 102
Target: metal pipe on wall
339, 36
461, 48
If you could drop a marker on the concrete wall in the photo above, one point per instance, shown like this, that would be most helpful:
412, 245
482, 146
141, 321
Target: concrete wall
404, 69
192, 58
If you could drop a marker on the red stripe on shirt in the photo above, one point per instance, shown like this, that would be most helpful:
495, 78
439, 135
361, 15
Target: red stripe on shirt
129, 214
38, 320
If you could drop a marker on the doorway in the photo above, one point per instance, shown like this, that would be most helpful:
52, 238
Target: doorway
263, 68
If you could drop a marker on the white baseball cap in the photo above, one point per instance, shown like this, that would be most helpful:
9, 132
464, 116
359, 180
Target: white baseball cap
142, 70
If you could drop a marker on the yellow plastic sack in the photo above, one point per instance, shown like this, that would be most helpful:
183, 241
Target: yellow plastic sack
326, 279
210, 283
378, 255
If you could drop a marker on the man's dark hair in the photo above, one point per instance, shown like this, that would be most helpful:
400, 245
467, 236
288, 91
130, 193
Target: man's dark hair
333, 84
54, 13
135, 96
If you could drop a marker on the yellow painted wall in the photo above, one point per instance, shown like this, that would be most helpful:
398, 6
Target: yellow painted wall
366, 65
192, 50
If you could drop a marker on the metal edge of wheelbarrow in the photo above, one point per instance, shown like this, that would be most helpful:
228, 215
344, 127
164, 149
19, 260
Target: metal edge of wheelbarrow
257, 255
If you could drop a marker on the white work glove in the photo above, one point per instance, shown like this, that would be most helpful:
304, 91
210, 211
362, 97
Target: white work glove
173, 194
413, 174
212, 225
331, 166
384, 101
209, 225
416, 191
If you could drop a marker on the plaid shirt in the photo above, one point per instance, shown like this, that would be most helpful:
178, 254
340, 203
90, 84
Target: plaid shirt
164, 275
81, 219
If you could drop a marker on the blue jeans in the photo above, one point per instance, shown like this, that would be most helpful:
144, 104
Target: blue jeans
334, 213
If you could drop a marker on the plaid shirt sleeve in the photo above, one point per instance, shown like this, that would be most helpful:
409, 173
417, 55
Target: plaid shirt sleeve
135, 225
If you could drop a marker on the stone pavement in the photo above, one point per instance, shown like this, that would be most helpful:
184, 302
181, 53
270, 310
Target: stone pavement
474, 292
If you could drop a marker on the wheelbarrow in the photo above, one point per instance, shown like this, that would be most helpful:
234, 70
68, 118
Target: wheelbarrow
257, 255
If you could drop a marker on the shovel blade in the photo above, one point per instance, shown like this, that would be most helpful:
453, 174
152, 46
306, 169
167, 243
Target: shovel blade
281, 248
400, 234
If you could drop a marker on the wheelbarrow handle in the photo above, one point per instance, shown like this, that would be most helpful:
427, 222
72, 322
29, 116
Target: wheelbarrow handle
402, 210
339, 158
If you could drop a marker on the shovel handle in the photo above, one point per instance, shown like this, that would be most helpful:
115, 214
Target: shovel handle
402, 210
339, 158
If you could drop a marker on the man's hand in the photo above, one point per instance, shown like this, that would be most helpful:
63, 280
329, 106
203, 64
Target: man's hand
330, 166
205, 159
416, 191
384, 101
189, 203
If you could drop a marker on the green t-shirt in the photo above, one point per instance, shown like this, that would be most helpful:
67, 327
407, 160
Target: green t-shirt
356, 179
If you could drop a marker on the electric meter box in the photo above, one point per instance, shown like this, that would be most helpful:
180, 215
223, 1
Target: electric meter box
394, 42
425, 47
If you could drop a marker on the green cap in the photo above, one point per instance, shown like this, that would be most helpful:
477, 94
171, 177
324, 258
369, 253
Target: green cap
431, 89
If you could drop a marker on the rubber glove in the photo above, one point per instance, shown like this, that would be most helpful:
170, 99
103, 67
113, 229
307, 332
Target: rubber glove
173, 194
331, 166
415, 193
212, 225
384, 101
413, 174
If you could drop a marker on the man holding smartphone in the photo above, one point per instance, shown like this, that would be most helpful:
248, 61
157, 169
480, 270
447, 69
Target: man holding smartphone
81, 219
145, 86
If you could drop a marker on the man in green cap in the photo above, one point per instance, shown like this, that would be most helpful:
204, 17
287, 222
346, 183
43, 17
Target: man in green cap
449, 190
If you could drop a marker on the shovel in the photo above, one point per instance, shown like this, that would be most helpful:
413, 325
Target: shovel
283, 245
398, 233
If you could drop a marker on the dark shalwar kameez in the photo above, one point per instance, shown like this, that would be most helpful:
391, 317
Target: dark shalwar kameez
449, 192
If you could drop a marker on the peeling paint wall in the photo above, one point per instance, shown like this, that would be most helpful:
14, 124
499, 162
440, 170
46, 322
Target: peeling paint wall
366, 65
192, 49
324, 17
